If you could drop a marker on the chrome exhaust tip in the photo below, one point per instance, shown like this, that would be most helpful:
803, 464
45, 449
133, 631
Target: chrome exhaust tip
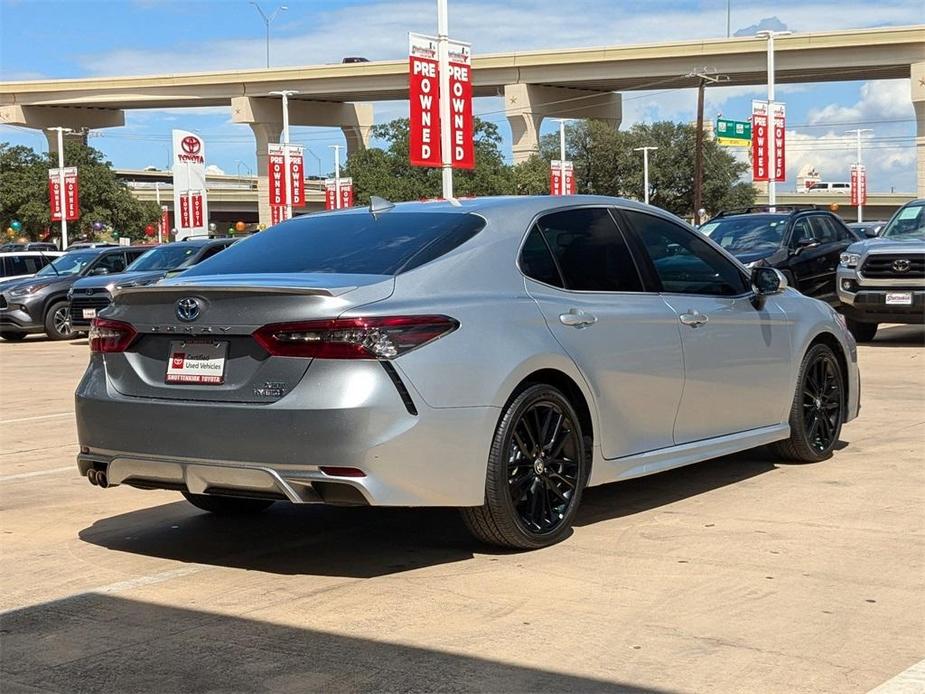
91, 476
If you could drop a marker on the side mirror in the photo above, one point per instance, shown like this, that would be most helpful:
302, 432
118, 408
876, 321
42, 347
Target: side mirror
871, 232
99, 271
767, 281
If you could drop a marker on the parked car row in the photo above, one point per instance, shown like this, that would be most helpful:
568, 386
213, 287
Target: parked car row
42, 301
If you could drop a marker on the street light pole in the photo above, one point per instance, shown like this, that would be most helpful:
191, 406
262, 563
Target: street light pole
443, 55
287, 172
336, 149
267, 21
858, 132
703, 76
772, 120
645, 168
61, 196
563, 187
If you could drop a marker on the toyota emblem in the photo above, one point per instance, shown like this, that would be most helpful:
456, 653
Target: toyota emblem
188, 309
902, 265
190, 144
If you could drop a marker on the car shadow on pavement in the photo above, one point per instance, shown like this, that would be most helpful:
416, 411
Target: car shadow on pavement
899, 336
97, 642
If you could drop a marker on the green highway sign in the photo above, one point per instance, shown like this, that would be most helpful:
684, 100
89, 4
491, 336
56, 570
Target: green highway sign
733, 133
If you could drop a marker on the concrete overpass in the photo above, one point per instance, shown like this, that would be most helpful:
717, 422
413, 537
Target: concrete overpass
578, 83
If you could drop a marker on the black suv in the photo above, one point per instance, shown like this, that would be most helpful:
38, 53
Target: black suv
804, 243
39, 304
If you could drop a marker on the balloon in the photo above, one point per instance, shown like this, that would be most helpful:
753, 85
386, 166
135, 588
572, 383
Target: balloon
10, 232
16, 225
150, 230
115, 234
231, 231
834, 207
97, 226
240, 226
213, 227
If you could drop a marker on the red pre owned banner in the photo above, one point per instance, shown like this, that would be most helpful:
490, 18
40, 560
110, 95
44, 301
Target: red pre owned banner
330, 194
558, 171
461, 130
761, 132
71, 194
330, 198
423, 95
858, 185
779, 142
184, 212
277, 214
296, 177
276, 166
346, 196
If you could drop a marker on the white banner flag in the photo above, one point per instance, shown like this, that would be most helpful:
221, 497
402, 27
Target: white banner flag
190, 208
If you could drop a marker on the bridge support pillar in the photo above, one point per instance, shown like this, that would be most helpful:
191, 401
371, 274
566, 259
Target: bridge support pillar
80, 120
918, 103
264, 116
527, 105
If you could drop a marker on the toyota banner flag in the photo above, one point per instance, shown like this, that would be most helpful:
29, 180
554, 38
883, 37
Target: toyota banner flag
760, 134
71, 194
190, 205
424, 99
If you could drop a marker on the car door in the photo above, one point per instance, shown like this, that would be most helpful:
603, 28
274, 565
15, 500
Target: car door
625, 341
815, 247
737, 357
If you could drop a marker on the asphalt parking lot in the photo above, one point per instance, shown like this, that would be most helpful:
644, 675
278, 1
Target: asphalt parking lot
737, 575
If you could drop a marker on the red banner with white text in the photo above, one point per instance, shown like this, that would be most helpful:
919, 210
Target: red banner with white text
331, 201
761, 134
561, 178
71, 194
858, 185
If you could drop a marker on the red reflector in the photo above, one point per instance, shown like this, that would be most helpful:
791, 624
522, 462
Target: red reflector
342, 471
353, 338
110, 335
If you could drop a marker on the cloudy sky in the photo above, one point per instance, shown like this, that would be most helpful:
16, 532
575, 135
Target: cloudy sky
42, 39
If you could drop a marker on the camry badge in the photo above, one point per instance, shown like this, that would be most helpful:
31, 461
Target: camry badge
188, 309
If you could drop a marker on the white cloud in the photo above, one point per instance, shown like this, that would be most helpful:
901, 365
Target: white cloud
880, 100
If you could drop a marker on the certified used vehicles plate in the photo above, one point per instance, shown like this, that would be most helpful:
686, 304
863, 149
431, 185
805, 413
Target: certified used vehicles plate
899, 298
89, 313
196, 361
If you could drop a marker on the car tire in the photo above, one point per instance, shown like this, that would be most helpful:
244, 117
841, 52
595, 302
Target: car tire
537, 470
863, 332
817, 412
13, 336
227, 505
58, 322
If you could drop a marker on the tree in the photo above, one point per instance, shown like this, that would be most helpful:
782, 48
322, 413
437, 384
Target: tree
103, 197
388, 172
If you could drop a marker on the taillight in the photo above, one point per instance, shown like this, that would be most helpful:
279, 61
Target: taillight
353, 338
110, 335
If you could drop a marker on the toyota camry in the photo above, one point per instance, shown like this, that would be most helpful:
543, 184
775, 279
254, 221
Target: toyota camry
498, 355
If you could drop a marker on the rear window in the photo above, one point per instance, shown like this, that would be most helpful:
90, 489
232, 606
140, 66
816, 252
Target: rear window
353, 243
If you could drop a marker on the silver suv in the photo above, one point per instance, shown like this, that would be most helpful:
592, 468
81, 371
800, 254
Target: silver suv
882, 280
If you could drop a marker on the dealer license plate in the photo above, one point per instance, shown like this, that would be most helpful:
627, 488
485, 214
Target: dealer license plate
196, 361
89, 313
899, 298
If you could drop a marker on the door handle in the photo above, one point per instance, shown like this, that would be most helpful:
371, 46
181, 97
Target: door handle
577, 319
693, 318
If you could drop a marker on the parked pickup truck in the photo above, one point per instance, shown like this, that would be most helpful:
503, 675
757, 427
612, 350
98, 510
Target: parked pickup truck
882, 280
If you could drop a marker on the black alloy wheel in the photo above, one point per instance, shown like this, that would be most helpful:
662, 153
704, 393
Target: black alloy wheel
817, 412
537, 470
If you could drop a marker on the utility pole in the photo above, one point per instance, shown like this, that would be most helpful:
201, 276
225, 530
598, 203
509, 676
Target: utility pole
287, 169
563, 188
267, 22
645, 168
859, 132
772, 120
61, 196
728, 18
703, 76
336, 149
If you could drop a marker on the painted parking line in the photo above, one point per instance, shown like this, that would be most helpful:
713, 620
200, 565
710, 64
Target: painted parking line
38, 473
33, 419
911, 681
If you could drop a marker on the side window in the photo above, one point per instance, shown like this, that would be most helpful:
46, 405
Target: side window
536, 261
4, 268
590, 251
684, 262
823, 229
133, 256
801, 231
114, 262
210, 252
842, 233
24, 264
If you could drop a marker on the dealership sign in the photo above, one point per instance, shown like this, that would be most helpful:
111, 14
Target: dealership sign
761, 131
71, 194
424, 98
189, 185
858, 185
280, 193
333, 201
561, 178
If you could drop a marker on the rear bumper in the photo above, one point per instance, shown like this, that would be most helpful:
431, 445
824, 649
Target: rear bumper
343, 414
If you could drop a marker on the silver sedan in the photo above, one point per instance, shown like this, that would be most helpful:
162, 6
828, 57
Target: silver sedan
495, 354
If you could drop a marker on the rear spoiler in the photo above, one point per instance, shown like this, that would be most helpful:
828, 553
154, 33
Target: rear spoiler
239, 288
